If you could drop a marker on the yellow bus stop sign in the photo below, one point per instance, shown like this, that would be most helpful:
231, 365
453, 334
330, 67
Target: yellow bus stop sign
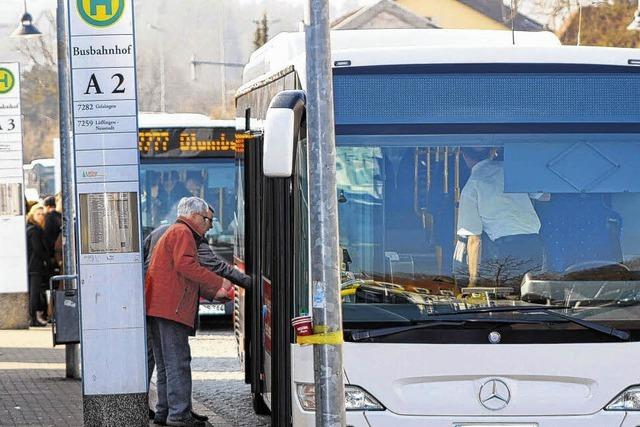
100, 13
7, 80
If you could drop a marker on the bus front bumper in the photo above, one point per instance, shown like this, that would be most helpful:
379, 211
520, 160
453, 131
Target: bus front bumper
389, 419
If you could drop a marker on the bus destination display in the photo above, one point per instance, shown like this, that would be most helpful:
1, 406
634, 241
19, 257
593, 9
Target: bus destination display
186, 142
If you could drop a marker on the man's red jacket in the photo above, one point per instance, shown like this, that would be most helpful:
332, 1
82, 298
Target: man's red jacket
175, 279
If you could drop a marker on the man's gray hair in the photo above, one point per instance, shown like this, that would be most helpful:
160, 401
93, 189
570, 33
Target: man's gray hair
192, 205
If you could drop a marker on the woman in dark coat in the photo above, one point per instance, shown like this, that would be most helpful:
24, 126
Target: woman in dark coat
37, 258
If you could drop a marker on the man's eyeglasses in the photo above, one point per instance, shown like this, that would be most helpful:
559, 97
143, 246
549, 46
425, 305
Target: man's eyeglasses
206, 218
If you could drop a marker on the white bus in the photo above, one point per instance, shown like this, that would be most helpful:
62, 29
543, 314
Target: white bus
39, 179
489, 222
183, 154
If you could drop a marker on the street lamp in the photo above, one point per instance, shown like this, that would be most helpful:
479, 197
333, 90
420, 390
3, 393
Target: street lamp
635, 24
195, 62
26, 27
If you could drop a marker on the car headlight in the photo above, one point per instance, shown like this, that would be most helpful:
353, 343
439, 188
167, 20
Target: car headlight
355, 398
628, 400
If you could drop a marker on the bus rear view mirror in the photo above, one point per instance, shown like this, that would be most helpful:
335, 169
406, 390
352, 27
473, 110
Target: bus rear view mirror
281, 130
277, 151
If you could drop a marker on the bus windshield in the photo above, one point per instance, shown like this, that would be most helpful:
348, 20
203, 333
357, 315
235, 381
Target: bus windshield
163, 184
438, 224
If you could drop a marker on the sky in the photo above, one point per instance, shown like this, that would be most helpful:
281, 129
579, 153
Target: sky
13, 9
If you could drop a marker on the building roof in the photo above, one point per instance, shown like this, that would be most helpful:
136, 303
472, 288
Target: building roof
148, 120
47, 162
381, 15
498, 11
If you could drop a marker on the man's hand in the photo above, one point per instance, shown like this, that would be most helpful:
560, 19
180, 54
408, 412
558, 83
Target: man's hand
226, 285
225, 292
222, 295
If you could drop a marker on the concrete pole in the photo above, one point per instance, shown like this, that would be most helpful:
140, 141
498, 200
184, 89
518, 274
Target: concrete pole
72, 351
325, 266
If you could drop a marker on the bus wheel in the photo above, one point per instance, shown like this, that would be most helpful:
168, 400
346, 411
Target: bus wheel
259, 406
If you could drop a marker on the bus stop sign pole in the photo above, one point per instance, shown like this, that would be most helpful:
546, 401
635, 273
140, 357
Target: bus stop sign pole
72, 351
325, 272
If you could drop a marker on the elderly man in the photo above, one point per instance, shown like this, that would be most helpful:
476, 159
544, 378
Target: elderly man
208, 259
174, 281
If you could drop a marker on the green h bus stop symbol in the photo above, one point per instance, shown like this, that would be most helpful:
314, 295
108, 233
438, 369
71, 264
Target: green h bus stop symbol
7, 80
100, 13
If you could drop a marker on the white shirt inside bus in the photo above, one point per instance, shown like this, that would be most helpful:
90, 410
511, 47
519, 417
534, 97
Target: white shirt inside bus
485, 207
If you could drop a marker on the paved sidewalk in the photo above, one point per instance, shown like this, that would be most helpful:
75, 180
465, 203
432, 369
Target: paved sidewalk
33, 388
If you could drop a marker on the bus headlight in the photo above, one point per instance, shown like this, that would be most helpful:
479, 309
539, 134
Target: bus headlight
355, 398
628, 400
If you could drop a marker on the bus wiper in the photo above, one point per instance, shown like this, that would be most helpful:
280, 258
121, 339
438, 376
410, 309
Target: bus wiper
361, 335
381, 332
618, 333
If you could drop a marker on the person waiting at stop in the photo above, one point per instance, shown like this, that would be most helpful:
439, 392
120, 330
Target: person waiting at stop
501, 229
173, 283
51, 232
205, 258
38, 267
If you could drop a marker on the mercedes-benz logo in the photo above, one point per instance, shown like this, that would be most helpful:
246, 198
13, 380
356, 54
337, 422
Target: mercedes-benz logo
494, 395
495, 337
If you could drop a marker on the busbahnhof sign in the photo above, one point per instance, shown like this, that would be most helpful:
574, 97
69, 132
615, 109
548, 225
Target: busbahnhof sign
14, 286
103, 86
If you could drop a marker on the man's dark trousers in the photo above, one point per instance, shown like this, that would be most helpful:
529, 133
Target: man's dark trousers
170, 341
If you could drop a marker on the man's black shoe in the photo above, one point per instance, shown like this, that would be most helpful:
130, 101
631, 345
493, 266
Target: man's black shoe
159, 421
198, 417
163, 421
152, 414
187, 422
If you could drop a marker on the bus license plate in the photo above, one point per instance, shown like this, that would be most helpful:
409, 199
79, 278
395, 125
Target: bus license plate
214, 309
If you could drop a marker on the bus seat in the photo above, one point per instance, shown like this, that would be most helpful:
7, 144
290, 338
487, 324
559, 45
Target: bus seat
578, 228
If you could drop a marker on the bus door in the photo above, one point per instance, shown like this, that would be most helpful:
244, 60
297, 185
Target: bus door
252, 303
269, 259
